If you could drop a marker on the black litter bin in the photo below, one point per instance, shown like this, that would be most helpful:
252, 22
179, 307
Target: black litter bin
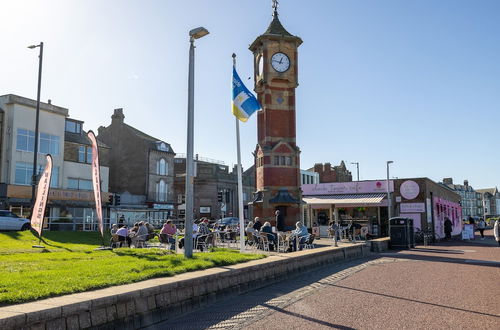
402, 235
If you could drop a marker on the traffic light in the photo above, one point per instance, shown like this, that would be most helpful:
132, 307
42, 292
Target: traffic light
110, 199
117, 199
219, 196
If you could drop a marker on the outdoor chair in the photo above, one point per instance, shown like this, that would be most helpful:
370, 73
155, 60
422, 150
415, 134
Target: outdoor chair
308, 243
139, 241
165, 240
115, 241
205, 242
264, 242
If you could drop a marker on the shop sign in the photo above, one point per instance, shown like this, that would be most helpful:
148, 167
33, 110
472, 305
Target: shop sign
205, 209
429, 211
163, 206
412, 207
340, 188
409, 189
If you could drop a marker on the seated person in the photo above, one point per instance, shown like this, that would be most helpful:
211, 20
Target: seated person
299, 234
114, 228
257, 224
250, 231
151, 230
268, 230
203, 230
167, 234
123, 236
195, 234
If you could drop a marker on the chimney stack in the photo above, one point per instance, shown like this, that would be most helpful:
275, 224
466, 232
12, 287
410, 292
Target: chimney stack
118, 116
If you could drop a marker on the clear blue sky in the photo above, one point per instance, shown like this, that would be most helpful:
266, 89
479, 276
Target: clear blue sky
417, 82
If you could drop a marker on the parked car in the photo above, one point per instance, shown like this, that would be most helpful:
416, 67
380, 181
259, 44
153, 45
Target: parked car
230, 221
10, 221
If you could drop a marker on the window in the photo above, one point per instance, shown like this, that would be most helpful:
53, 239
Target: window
25, 140
289, 161
276, 160
161, 191
24, 172
80, 184
85, 154
161, 167
162, 146
49, 144
73, 127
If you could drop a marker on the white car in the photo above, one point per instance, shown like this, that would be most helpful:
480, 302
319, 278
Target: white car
10, 221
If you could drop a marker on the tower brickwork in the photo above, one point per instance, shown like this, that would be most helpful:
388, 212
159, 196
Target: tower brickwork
277, 156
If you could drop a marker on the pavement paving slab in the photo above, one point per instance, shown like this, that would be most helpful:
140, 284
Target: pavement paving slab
451, 285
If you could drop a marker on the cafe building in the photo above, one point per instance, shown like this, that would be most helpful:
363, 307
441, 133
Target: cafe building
365, 202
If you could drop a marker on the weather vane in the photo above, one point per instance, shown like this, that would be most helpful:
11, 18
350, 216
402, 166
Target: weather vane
275, 7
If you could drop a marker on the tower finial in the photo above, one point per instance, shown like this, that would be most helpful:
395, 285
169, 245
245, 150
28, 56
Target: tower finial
275, 8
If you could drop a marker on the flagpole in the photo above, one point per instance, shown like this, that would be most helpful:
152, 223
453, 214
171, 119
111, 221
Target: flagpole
240, 183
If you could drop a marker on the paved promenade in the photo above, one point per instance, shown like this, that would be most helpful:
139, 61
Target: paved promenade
452, 285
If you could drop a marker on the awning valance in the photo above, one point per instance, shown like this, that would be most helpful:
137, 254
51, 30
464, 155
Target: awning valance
349, 199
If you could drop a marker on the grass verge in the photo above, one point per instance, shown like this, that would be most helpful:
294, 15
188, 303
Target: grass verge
70, 265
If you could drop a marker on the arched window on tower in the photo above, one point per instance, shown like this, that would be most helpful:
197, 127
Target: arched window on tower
162, 167
161, 191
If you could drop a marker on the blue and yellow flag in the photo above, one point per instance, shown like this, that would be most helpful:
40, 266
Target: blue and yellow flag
244, 102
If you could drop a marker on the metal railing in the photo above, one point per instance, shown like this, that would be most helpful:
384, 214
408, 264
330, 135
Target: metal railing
91, 223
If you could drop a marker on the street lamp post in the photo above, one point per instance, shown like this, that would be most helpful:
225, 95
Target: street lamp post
37, 120
357, 168
188, 224
389, 201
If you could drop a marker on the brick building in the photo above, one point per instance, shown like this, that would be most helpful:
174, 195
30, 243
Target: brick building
327, 173
215, 188
472, 201
141, 172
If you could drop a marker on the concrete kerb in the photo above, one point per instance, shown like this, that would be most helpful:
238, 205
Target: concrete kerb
151, 301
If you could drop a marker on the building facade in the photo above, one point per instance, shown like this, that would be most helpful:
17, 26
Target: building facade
71, 201
215, 189
491, 202
277, 156
308, 177
472, 201
365, 202
141, 173
327, 173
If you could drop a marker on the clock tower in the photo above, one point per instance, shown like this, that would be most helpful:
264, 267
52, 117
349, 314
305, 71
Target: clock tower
277, 157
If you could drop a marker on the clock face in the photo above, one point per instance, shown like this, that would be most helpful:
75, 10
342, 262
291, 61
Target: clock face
280, 62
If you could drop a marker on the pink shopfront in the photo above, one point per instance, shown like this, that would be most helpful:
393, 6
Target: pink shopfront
362, 202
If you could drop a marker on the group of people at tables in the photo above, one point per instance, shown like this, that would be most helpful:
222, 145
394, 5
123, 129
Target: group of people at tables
142, 232
295, 238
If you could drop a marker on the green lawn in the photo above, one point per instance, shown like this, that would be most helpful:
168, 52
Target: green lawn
70, 264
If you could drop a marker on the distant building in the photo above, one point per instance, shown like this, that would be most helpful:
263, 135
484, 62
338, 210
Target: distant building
491, 202
141, 172
308, 177
71, 200
328, 174
471, 200
215, 188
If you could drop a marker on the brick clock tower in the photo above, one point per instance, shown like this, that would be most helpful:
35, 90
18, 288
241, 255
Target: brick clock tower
277, 157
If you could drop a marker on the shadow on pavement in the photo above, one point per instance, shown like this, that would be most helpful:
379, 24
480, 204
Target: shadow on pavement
307, 318
255, 301
412, 300
476, 262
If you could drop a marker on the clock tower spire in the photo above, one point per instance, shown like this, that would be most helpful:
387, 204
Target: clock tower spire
277, 156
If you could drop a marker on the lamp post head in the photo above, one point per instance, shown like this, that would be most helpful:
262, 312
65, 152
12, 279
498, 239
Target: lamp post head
198, 33
33, 46
390, 162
